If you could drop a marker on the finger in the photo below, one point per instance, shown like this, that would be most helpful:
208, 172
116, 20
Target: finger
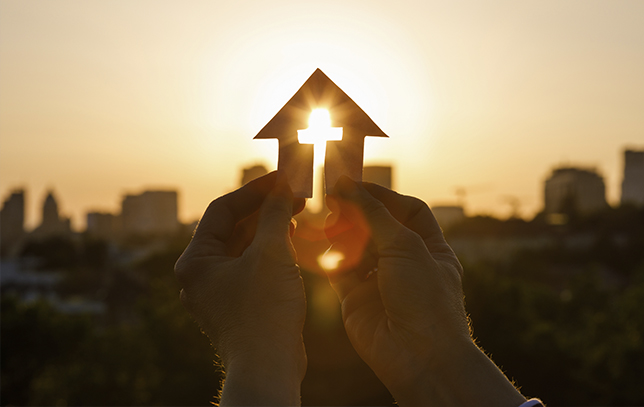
242, 236
349, 271
351, 239
343, 284
336, 224
357, 255
275, 214
291, 227
384, 228
414, 214
218, 222
244, 231
298, 205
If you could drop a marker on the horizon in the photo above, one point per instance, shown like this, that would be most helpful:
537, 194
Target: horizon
487, 98
314, 207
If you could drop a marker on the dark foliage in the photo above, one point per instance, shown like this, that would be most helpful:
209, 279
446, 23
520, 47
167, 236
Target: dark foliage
566, 322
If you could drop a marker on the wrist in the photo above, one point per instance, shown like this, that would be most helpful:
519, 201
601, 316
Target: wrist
257, 384
264, 375
461, 375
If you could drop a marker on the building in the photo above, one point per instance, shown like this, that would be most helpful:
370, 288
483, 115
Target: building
101, 225
380, 175
52, 223
574, 191
250, 173
633, 182
448, 215
150, 213
12, 220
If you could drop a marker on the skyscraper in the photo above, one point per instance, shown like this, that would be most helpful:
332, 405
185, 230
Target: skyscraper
152, 212
101, 225
378, 174
250, 173
52, 223
50, 211
448, 215
571, 191
12, 219
633, 182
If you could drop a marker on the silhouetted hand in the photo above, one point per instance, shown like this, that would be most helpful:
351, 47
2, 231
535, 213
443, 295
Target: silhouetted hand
402, 302
242, 285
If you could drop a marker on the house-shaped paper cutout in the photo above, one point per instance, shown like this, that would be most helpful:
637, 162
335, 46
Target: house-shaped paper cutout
343, 157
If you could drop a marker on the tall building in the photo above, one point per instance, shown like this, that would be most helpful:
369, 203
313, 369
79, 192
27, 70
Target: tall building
380, 175
448, 215
633, 183
52, 223
50, 215
101, 225
152, 212
12, 219
571, 191
250, 173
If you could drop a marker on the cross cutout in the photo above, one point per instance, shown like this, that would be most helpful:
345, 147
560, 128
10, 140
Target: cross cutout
318, 133
343, 156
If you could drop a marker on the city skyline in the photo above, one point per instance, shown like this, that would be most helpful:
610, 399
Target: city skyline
480, 99
633, 173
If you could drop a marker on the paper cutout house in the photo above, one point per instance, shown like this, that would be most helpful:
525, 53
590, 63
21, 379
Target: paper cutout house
343, 157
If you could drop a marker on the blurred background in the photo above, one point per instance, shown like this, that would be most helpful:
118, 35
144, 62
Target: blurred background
521, 125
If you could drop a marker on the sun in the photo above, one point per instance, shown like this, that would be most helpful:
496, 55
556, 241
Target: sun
319, 130
318, 133
319, 119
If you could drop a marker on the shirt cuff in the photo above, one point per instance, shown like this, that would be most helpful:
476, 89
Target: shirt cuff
532, 403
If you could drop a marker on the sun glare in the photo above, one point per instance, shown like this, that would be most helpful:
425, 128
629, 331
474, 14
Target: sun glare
320, 129
330, 260
320, 118
318, 133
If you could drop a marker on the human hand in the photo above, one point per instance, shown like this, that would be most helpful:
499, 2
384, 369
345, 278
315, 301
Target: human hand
402, 302
240, 282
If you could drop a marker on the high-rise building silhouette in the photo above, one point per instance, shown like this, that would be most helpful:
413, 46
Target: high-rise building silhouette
378, 174
12, 219
102, 225
571, 191
50, 215
250, 173
633, 182
52, 223
152, 212
448, 215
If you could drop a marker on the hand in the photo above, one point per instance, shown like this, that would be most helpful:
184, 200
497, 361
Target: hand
402, 302
242, 285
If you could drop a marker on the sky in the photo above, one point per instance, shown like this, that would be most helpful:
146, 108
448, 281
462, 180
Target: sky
100, 99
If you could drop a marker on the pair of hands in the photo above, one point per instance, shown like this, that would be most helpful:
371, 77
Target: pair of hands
399, 285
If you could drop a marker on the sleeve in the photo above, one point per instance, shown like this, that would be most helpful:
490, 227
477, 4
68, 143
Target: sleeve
533, 403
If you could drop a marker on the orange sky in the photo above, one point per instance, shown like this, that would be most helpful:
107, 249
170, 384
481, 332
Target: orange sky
102, 98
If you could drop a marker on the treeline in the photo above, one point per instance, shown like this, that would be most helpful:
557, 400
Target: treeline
566, 324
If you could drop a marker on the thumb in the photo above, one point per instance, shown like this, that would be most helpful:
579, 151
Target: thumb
385, 229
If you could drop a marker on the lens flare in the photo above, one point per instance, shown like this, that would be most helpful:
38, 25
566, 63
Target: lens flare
330, 260
318, 133
319, 119
320, 129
